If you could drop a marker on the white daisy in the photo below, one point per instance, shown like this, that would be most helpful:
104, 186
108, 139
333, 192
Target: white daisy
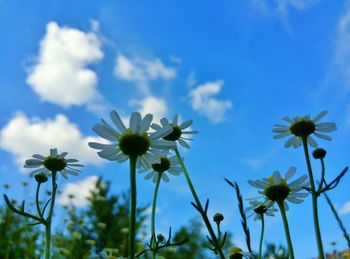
178, 130
53, 163
302, 128
134, 141
167, 165
258, 208
276, 188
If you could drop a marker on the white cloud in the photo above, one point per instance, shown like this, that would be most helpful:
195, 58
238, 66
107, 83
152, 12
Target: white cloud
23, 137
80, 190
61, 75
153, 105
281, 7
204, 102
341, 59
345, 209
142, 71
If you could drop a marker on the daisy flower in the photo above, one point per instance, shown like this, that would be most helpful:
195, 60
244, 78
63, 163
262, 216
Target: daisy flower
170, 165
259, 208
178, 130
53, 163
134, 141
277, 189
301, 129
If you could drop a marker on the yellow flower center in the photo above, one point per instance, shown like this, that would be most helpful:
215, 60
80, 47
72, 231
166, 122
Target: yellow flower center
162, 166
302, 128
278, 192
175, 134
55, 164
134, 144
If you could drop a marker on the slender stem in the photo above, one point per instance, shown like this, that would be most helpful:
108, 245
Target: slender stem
286, 228
37, 201
153, 223
314, 202
132, 223
262, 235
49, 218
340, 223
199, 205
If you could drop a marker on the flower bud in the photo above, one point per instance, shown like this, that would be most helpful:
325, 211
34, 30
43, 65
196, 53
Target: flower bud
218, 217
160, 238
319, 153
236, 253
41, 177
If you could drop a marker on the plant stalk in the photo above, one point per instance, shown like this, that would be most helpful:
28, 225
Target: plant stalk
199, 205
132, 222
286, 228
314, 201
262, 235
153, 222
49, 218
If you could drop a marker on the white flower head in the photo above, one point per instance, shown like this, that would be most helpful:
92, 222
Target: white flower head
169, 165
178, 130
134, 141
53, 163
277, 189
302, 128
259, 208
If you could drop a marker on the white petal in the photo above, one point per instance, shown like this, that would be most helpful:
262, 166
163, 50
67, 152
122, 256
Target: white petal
298, 142
190, 132
323, 136
287, 119
135, 122
161, 133
164, 122
276, 177
290, 141
294, 200
31, 166
176, 120
104, 132
183, 143
165, 177
39, 156
72, 172
281, 130
326, 126
53, 152
35, 162
281, 135
186, 124
320, 116
146, 122
150, 175
118, 122
163, 144
298, 182
155, 126
113, 131
71, 160
299, 194
34, 172
312, 142
289, 174
100, 146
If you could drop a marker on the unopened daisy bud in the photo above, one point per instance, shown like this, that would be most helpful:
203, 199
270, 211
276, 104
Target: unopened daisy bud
319, 153
160, 238
218, 217
236, 253
41, 177
6, 186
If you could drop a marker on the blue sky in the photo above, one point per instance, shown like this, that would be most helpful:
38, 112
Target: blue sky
234, 67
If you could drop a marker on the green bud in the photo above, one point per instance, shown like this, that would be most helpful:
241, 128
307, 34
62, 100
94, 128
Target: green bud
218, 217
160, 238
41, 177
319, 153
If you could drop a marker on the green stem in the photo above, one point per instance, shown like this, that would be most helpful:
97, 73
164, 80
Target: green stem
37, 201
262, 235
132, 223
286, 228
153, 223
314, 202
199, 205
49, 218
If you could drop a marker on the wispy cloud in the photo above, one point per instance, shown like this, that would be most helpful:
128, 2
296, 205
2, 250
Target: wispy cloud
80, 191
281, 8
61, 75
341, 57
23, 137
203, 101
345, 208
142, 72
